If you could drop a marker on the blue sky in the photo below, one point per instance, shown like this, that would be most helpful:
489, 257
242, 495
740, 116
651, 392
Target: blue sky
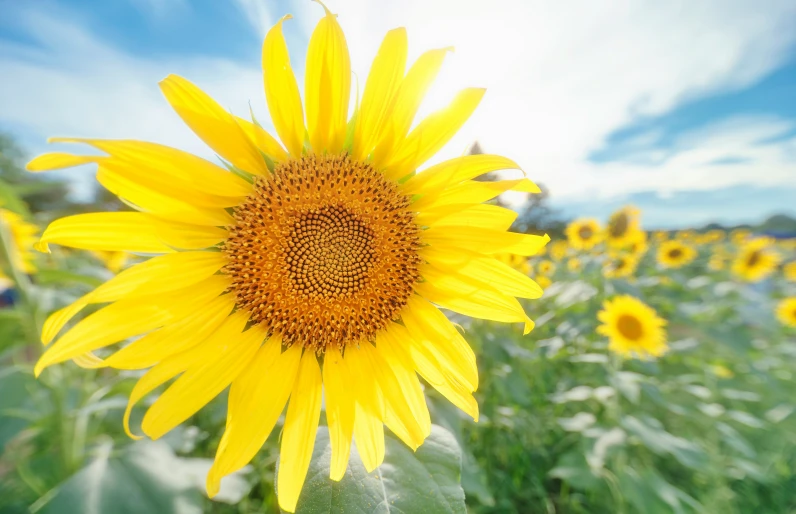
688, 112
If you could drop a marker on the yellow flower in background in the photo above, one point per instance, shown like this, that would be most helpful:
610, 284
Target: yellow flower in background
660, 236
717, 263
632, 328
755, 260
789, 271
620, 266
623, 227
714, 236
686, 235
721, 371
639, 246
24, 236
786, 311
739, 235
574, 264
114, 261
674, 254
518, 262
312, 270
558, 250
546, 267
584, 233
543, 281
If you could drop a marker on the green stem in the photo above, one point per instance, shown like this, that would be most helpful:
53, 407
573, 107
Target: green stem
23, 286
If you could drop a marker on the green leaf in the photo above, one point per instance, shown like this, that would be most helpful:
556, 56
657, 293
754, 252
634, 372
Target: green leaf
652, 435
144, 477
425, 481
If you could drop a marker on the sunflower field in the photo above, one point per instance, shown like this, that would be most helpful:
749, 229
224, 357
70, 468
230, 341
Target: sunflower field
658, 378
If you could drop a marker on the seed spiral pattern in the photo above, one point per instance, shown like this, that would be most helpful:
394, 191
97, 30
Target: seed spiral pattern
324, 252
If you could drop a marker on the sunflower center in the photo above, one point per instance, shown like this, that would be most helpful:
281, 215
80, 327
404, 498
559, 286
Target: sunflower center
618, 225
675, 253
753, 259
585, 232
630, 327
324, 252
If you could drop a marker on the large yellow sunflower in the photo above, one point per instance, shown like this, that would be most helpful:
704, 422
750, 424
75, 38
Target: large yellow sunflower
623, 227
786, 311
674, 254
584, 233
632, 328
755, 260
23, 236
315, 268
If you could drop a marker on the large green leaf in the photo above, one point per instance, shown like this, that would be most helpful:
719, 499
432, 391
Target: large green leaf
143, 478
425, 481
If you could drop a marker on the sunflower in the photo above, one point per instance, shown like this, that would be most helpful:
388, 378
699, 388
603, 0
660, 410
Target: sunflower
623, 227
308, 271
632, 328
739, 235
660, 236
574, 264
789, 271
546, 267
639, 246
518, 262
686, 235
543, 281
24, 236
716, 263
558, 250
674, 254
755, 261
584, 233
114, 261
786, 311
620, 266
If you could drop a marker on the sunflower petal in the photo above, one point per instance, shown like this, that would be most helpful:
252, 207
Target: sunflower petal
384, 78
486, 241
298, 436
493, 217
256, 400
473, 191
264, 141
110, 231
229, 352
58, 161
453, 171
327, 86
493, 274
339, 411
369, 437
215, 126
281, 91
432, 134
187, 237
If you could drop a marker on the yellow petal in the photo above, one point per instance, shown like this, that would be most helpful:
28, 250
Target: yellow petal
215, 126
432, 133
497, 275
442, 339
369, 438
159, 204
384, 78
486, 241
160, 274
479, 215
89, 361
473, 191
339, 398
407, 101
188, 237
59, 160
109, 231
327, 86
232, 351
440, 176
264, 141
281, 91
298, 435
175, 337
256, 400
171, 169
127, 318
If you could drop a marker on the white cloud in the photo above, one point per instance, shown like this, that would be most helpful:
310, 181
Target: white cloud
160, 9
560, 78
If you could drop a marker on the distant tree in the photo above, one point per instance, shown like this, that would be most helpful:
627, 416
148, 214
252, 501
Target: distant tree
38, 193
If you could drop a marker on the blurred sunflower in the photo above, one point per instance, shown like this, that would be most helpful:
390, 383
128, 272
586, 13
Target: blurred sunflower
543, 281
674, 254
789, 271
114, 261
620, 266
632, 328
717, 263
739, 235
24, 236
518, 262
714, 236
623, 227
546, 267
574, 264
639, 246
584, 233
786, 311
558, 250
755, 260
660, 236
686, 235
306, 273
